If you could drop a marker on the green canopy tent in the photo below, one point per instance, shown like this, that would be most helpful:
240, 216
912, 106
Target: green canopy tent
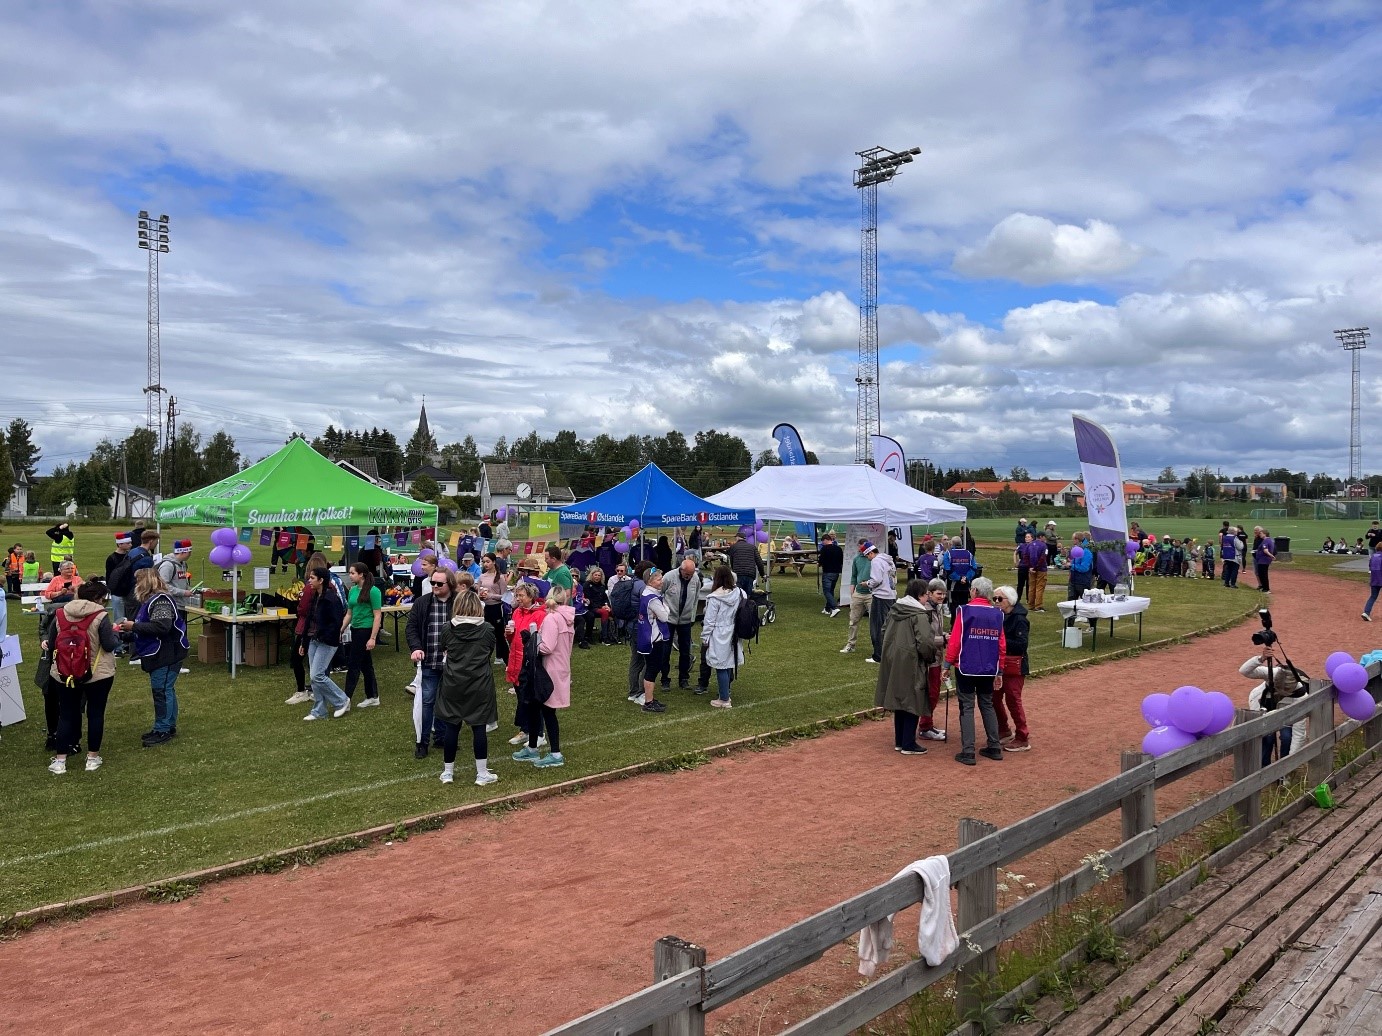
295, 486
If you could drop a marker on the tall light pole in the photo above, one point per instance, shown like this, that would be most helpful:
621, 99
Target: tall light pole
877, 165
153, 237
1354, 340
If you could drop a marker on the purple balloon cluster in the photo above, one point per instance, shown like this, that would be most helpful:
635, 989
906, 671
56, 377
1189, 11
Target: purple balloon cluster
626, 535
1351, 681
502, 514
426, 552
1184, 716
755, 533
227, 550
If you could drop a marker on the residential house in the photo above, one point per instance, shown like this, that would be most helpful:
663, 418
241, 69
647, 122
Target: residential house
18, 506
366, 468
524, 486
450, 484
1266, 492
131, 502
1048, 492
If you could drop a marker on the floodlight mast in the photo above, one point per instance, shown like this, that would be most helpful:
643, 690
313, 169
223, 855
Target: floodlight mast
153, 237
877, 165
1354, 340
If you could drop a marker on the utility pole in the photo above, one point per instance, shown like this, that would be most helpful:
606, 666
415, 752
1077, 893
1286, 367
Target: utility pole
877, 165
1354, 340
153, 237
166, 472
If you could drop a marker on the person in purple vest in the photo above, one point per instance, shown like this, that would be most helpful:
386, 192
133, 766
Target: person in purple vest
1035, 550
975, 652
1263, 554
958, 563
1228, 554
1023, 562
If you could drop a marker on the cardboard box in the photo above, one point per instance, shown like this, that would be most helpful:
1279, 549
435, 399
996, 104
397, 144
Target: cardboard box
206, 652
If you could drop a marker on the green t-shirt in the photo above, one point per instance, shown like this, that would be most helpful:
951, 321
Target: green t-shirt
362, 612
560, 576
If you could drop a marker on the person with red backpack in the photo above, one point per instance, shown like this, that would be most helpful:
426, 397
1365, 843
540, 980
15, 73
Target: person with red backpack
82, 672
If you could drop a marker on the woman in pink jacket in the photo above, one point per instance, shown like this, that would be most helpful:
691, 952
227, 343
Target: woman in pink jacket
556, 635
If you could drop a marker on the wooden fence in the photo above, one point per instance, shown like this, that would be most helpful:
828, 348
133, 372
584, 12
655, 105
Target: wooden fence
685, 988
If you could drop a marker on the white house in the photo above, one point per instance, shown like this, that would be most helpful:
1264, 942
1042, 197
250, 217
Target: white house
451, 485
18, 506
131, 502
519, 485
365, 468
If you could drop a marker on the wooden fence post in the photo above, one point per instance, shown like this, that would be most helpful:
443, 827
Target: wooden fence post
1247, 760
672, 956
978, 902
1321, 720
1372, 729
1139, 815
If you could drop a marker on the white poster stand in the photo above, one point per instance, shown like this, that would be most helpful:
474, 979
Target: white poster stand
11, 687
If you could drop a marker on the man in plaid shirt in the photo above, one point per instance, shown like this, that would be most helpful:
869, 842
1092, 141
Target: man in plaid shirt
426, 621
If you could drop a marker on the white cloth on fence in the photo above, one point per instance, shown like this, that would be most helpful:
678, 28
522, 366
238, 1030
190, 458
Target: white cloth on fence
936, 935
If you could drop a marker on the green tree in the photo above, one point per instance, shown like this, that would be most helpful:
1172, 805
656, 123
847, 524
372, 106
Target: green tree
419, 450
140, 447
462, 459
425, 487
6, 473
1193, 485
1168, 474
500, 451
1008, 499
220, 458
182, 462
24, 455
1019, 475
766, 459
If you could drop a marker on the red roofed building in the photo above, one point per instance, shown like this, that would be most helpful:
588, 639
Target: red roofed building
1050, 492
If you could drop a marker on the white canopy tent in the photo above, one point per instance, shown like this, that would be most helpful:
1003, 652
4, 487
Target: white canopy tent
823, 494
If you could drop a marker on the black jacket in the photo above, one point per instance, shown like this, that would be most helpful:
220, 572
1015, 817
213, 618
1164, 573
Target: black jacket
328, 611
744, 559
416, 633
832, 557
1017, 633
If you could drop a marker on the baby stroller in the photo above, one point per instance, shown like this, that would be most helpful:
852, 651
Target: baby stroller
763, 598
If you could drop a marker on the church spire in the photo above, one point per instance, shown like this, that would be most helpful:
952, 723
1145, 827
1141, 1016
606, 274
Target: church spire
424, 434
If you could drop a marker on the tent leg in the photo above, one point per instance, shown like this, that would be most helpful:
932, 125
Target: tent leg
234, 626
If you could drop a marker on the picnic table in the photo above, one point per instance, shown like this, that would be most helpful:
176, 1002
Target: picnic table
799, 558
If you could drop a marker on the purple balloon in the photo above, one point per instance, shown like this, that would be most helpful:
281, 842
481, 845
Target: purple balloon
416, 568
426, 552
1357, 705
763, 537
446, 565
222, 556
240, 554
1335, 660
1076, 553
1350, 678
1132, 548
626, 531
223, 537
621, 547
1155, 709
502, 513
1161, 740
1221, 717
634, 525
1190, 709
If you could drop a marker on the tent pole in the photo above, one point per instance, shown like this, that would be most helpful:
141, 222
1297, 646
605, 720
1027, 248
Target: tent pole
234, 626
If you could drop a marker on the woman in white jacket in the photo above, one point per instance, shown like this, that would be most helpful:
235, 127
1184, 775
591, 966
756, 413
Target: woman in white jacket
719, 647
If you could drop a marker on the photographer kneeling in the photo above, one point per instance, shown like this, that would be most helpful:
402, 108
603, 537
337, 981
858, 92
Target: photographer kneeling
1286, 682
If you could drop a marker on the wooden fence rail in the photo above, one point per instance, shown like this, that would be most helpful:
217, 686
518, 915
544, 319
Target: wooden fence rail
686, 989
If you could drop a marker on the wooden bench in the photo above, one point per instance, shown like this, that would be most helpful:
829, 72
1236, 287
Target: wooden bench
31, 596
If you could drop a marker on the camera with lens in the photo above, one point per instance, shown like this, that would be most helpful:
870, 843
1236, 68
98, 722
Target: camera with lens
1266, 636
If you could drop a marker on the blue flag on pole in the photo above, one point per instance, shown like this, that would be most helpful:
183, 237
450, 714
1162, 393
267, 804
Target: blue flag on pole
789, 446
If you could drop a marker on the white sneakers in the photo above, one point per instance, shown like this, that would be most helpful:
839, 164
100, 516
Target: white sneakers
522, 739
310, 717
447, 776
368, 703
93, 762
488, 777
341, 711
57, 767
846, 650
298, 698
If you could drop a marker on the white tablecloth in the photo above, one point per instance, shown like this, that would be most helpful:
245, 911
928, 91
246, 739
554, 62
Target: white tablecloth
1106, 610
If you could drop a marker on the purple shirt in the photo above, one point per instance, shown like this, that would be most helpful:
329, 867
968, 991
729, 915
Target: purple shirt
1034, 554
1265, 552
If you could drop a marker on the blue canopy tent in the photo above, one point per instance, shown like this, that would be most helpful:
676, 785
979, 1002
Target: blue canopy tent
655, 500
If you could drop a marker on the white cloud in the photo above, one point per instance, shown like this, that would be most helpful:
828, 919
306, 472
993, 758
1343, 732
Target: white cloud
1034, 250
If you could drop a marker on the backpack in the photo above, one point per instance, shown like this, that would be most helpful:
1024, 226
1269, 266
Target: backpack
623, 604
72, 648
746, 622
121, 581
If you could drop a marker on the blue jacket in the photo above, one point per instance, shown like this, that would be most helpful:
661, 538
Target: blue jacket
1085, 564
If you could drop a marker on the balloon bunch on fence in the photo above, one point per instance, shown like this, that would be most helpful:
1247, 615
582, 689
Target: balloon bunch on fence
1183, 717
227, 550
1351, 681
755, 533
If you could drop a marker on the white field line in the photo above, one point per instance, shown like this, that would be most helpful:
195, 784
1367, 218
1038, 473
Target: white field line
134, 836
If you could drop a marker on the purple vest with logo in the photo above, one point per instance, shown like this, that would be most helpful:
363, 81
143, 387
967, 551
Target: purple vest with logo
982, 624
1228, 548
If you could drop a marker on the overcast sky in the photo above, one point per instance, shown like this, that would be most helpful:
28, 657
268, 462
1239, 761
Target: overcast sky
634, 217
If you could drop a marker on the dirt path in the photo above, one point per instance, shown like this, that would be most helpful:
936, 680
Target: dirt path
514, 924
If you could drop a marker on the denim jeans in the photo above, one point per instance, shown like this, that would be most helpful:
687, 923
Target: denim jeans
829, 581
723, 678
431, 680
163, 683
1372, 599
325, 694
878, 620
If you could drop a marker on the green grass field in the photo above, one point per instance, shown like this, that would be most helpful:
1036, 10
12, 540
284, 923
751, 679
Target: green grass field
245, 775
